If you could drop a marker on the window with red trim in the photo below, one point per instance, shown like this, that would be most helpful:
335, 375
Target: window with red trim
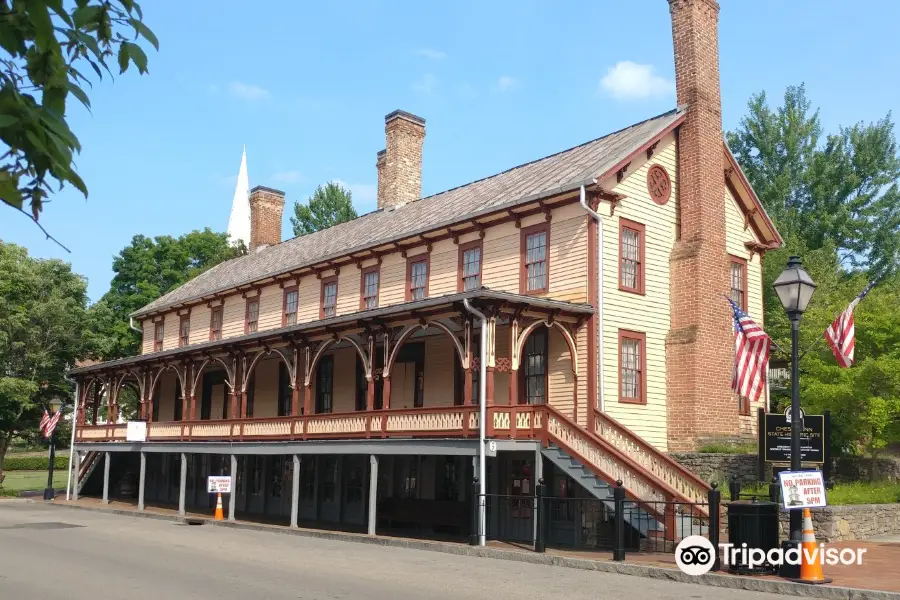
470, 266
632, 367
369, 288
251, 320
328, 306
290, 303
158, 333
417, 277
631, 256
184, 331
215, 324
739, 282
535, 268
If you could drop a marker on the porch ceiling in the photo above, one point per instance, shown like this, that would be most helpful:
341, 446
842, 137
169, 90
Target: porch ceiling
388, 315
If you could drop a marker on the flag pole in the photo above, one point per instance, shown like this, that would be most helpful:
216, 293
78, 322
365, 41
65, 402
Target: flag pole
72, 442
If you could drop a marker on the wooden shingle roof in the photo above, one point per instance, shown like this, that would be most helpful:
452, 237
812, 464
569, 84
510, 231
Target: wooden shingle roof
548, 176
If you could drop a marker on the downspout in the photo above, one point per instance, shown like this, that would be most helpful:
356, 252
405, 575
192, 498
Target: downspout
599, 308
482, 419
132, 326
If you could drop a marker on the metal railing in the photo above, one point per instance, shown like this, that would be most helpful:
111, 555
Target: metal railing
618, 525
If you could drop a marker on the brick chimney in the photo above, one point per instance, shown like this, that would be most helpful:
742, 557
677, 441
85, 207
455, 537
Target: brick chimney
266, 206
380, 161
400, 179
700, 342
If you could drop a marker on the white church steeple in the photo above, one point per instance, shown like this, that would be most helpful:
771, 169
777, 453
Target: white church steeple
239, 221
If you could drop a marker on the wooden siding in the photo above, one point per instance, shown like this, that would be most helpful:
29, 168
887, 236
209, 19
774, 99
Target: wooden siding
265, 397
500, 271
167, 385
440, 365
648, 313
735, 237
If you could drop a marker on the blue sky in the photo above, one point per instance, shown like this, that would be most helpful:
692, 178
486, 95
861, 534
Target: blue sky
306, 86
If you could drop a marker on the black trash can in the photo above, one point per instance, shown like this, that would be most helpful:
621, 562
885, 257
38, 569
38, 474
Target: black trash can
754, 523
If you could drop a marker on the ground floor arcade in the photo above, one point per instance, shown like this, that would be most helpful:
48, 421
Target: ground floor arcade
424, 490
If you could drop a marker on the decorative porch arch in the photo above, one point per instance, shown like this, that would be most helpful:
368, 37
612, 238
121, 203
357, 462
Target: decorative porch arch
198, 372
320, 351
523, 336
247, 370
411, 329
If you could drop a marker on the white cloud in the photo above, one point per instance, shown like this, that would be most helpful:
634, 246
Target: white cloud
247, 91
425, 84
290, 176
506, 83
431, 53
365, 195
627, 80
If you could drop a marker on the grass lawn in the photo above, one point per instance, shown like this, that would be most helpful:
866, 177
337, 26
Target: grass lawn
18, 481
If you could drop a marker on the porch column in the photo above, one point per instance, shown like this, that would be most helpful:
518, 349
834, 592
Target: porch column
295, 400
370, 393
373, 493
307, 400
107, 457
76, 474
232, 498
141, 480
386, 393
182, 485
538, 477
514, 362
193, 415
295, 491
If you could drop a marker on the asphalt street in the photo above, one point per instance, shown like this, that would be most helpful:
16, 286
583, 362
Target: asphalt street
50, 553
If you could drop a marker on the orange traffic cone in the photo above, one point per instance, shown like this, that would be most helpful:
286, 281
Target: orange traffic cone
219, 513
810, 554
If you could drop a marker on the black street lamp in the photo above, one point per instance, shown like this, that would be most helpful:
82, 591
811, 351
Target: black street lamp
49, 492
795, 289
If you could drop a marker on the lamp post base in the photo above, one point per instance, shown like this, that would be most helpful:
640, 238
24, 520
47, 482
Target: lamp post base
789, 571
49, 494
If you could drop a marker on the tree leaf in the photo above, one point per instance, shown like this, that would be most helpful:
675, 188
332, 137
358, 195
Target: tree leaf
79, 93
123, 58
8, 121
137, 56
144, 31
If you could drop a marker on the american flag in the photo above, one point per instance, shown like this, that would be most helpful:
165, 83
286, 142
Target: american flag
45, 418
751, 355
48, 423
841, 334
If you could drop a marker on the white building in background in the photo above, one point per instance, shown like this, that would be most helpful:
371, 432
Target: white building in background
239, 221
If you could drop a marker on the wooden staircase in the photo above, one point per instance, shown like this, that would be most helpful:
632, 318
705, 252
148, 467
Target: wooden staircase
88, 464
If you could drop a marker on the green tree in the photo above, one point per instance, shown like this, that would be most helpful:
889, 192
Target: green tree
44, 329
329, 205
840, 190
48, 45
147, 269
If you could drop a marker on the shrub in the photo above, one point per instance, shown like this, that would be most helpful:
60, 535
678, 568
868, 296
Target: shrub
34, 463
728, 447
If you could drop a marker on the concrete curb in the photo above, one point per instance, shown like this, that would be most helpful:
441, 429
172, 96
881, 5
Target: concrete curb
734, 582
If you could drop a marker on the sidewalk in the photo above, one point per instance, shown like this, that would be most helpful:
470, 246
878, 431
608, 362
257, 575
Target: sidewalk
878, 578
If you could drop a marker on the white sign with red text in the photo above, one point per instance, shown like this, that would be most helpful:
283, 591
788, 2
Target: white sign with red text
218, 484
802, 489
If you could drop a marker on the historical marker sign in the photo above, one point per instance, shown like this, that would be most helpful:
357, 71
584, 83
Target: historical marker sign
775, 438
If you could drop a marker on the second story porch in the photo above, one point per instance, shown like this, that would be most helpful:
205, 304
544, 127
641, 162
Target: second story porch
399, 372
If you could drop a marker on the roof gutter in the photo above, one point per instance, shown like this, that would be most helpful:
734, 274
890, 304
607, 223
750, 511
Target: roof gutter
598, 310
133, 327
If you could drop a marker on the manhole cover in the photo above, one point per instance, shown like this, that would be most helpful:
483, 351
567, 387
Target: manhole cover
43, 525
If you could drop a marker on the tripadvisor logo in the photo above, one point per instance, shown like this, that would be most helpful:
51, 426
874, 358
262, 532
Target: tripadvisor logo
695, 555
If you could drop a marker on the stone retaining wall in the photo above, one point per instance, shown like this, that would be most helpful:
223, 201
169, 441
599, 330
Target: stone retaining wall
851, 522
720, 467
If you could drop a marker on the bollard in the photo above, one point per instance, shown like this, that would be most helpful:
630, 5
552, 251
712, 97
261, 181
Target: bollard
619, 534
734, 488
473, 537
715, 500
539, 518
